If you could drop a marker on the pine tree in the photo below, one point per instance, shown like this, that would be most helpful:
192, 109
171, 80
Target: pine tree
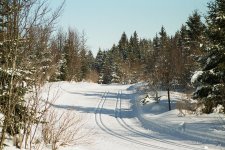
183, 45
211, 80
61, 62
105, 72
115, 78
165, 62
134, 50
196, 31
196, 42
12, 72
72, 62
25, 60
90, 61
123, 46
151, 62
83, 53
99, 61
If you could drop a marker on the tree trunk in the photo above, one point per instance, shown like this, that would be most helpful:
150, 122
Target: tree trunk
3, 134
168, 92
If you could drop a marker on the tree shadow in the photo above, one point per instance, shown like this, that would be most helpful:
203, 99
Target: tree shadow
127, 113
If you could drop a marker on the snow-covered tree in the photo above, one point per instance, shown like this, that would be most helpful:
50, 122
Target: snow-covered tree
115, 78
72, 63
86, 58
25, 59
99, 60
123, 46
211, 80
183, 46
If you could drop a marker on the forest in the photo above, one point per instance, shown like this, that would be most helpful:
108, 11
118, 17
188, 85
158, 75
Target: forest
33, 52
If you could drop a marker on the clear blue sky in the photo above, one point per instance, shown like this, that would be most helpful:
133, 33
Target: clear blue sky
105, 20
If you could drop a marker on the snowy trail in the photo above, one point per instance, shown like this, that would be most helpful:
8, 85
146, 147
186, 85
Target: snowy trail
137, 131
141, 138
120, 122
192, 133
102, 125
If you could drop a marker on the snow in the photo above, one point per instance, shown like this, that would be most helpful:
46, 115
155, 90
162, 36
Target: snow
201, 45
218, 109
121, 122
208, 60
220, 17
195, 76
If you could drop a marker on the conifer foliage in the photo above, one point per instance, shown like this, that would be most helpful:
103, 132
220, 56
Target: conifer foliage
30, 55
25, 60
211, 79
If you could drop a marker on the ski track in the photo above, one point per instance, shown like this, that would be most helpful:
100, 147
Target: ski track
125, 125
100, 123
118, 117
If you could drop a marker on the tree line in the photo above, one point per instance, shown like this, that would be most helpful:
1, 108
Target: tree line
193, 56
30, 55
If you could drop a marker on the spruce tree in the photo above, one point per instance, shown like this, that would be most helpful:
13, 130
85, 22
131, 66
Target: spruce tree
183, 45
165, 63
134, 48
210, 80
123, 46
99, 61
84, 64
195, 31
196, 41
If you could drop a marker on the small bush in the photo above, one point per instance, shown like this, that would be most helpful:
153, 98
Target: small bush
64, 129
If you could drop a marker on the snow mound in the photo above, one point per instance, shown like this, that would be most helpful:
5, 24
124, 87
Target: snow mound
218, 109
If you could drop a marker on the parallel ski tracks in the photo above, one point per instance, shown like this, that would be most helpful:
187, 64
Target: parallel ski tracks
102, 126
118, 116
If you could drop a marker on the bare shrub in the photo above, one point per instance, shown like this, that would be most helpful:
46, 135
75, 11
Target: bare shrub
26, 29
38, 103
187, 106
64, 129
92, 76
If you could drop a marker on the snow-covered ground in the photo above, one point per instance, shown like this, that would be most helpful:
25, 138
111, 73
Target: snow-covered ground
120, 122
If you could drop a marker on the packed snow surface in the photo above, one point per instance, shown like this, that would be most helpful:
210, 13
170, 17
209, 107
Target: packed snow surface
121, 122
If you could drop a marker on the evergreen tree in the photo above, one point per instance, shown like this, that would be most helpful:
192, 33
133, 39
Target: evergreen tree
196, 42
134, 51
115, 78
105, 72
146, 48
13, 73
149, 62
72, 62
156, 47
90, 61
165, 62
83, 53
84, 68
99, 61
211, 80
195, 31
183, 45
25, 60
123, 46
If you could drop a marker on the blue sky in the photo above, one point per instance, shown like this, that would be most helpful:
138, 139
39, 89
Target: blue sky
105, 20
